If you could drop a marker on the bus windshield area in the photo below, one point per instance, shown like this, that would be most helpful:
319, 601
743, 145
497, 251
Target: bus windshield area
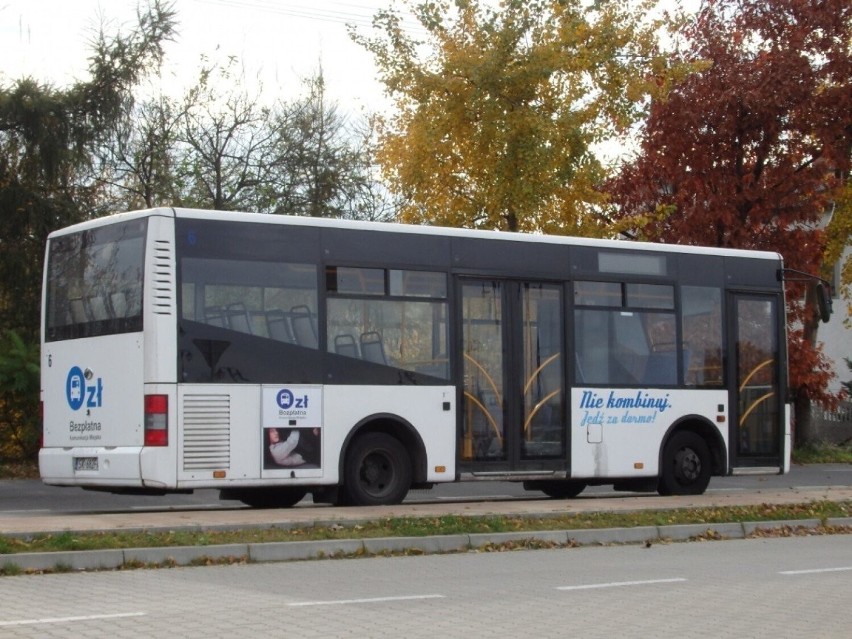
94, 282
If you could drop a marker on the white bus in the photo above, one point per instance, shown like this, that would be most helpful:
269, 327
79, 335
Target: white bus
271, 357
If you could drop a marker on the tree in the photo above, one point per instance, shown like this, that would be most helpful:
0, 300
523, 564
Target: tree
138, 163
227, 143
498, 111
323, 163
19, 396
220, 147
47, 137
754, 150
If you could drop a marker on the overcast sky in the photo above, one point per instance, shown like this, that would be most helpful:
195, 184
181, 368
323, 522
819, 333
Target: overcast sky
283, 40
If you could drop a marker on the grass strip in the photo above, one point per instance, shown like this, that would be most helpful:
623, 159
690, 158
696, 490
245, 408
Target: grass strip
422, 527
823, 454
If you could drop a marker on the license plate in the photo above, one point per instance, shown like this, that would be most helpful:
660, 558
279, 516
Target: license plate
85, 463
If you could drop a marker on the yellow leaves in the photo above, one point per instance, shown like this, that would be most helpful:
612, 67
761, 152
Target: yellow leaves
497, 113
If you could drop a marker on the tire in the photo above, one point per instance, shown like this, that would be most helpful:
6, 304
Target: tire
279, 497
557, 489
377, 471
686, 465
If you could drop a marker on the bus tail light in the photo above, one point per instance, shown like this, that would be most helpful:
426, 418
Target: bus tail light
156, 420
41, 424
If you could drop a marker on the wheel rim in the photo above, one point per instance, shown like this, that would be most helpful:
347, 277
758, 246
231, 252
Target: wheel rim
376, 474
687, 465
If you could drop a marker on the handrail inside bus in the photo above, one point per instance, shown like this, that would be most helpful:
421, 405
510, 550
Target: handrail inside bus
754, 405
488, 377
538, 370
754, 372
487, 414
537, 408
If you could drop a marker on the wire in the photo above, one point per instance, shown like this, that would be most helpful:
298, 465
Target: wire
334, 12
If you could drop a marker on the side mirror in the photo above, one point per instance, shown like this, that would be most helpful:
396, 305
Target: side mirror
823, 296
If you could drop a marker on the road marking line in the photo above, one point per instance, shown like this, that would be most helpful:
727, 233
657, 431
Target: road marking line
46, 620
619, 584
814, 571
343, 602
477, 498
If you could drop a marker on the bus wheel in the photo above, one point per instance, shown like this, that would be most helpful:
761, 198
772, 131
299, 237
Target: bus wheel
278, 497
377, 471
557, 489
686, 465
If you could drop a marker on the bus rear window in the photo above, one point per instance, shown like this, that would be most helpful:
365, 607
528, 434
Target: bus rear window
94, 282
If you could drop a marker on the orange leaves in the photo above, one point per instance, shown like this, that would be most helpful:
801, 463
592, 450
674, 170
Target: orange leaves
753, 149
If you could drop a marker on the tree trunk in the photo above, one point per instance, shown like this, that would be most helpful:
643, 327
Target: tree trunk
803, 424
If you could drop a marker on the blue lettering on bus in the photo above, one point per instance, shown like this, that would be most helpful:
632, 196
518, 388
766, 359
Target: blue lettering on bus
78, 392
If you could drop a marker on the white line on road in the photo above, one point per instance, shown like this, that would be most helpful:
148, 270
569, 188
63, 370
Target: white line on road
619, 584
46, 620
814, 571
472, 497
343, 602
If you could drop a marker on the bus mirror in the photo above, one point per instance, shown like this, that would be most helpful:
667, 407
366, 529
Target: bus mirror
823, 295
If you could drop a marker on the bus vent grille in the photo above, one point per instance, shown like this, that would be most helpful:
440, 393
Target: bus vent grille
206, 432
164, 278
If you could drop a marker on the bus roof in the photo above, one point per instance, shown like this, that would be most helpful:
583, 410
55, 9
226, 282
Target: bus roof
393, 227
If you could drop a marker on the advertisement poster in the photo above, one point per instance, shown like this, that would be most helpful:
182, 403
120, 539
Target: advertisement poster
292, 430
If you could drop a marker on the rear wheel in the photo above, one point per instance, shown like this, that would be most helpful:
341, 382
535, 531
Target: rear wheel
277, 497
686, 465
377, 471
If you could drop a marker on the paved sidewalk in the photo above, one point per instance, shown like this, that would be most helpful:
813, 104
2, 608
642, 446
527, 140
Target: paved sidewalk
309, 515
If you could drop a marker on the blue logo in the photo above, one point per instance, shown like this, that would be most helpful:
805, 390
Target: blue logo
78, 392
74, 386
284, 398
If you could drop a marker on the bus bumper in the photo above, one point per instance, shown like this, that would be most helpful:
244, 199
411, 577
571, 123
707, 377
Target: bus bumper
90, 466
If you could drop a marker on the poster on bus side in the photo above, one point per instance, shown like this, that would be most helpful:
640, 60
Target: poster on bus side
291, 431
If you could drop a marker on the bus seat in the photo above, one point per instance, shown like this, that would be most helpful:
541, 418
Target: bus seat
372, 348
78, 310
238, 318
278, 326
98, 308
119, 303
346, 345
304, 329
215, 316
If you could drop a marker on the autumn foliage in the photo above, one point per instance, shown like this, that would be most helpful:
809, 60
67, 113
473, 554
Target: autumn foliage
754, 150
498, 107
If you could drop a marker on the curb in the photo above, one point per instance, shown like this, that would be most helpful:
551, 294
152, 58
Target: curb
304, 550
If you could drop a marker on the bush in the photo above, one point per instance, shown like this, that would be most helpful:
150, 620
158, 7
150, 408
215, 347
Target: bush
19, 397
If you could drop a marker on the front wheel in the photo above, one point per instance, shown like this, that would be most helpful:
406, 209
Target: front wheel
685, 465
377, 471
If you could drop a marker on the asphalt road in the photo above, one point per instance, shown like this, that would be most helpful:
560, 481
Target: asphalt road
31, 496
766, 587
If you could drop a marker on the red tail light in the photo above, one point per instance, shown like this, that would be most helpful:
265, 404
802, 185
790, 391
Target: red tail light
41, 424
156, 420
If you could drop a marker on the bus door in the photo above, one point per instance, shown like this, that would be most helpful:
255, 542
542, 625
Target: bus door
757, 424
513, 397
